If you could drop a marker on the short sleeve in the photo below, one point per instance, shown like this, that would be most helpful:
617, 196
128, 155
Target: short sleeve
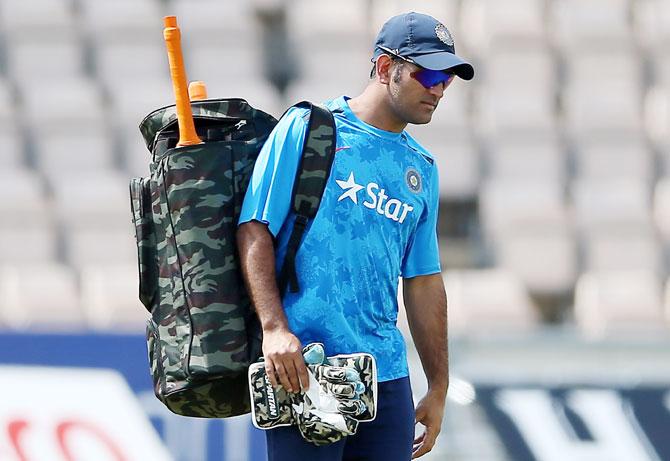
422, 256
268, 197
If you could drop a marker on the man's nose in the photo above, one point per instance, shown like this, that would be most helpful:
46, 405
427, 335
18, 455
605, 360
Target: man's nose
437, 90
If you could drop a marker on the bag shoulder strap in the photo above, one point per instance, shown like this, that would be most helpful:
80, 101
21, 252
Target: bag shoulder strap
318, 153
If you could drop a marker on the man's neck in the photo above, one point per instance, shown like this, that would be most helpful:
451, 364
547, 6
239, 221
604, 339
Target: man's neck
372, 107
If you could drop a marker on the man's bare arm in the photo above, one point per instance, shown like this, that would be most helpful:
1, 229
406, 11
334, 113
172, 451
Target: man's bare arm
426, 305
281, 348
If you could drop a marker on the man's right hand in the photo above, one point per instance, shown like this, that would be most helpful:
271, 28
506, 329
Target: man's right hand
282, 350
284, 363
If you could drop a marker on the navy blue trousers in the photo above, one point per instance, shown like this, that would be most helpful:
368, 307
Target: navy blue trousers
388, 438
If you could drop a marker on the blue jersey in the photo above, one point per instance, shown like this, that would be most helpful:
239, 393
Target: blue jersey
377, 222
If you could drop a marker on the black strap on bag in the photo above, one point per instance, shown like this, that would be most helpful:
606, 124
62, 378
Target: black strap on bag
317, 159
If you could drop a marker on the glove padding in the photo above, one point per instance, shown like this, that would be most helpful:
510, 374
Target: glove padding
342, 392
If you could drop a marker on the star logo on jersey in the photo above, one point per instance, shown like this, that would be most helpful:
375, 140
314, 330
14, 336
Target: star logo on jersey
377, 198
350, 188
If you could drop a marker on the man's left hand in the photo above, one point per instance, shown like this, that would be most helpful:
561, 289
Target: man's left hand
429, 412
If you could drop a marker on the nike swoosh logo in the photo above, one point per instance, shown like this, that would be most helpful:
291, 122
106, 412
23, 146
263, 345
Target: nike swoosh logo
341, 148
298, 408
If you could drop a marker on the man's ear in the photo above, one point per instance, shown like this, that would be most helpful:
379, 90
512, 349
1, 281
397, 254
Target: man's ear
383, 64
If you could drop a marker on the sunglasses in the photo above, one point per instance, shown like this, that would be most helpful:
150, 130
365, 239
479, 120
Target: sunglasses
426, 77
429, 78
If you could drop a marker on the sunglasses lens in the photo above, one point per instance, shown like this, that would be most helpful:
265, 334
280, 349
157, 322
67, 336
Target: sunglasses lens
430, 78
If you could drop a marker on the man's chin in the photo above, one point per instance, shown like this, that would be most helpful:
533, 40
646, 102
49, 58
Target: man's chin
421, 121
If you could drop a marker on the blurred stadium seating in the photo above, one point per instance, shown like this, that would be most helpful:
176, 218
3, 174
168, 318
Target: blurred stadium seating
554, 161
554, 165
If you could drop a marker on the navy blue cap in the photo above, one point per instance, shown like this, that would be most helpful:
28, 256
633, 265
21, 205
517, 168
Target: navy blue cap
422, 40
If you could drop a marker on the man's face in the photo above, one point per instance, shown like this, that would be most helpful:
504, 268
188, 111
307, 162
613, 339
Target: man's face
410, 100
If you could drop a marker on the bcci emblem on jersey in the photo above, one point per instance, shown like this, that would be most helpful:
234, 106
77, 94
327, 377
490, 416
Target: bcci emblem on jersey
413, 180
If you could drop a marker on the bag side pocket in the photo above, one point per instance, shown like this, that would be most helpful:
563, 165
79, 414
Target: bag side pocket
145, 238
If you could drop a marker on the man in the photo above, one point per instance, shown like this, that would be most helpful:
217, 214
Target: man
376, 223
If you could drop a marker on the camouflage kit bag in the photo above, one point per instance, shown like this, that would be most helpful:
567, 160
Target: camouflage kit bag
203, 334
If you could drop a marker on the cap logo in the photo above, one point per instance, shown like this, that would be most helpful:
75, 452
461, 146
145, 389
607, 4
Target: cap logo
444, 35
